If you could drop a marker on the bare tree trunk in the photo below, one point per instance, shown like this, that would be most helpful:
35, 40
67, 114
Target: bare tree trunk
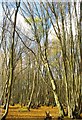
81, 55
11, 65
32, 92
58, 103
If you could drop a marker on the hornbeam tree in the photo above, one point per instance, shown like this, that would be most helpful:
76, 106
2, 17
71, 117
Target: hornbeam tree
11, 67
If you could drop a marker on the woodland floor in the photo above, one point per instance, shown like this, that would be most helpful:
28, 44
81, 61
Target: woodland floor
18, 113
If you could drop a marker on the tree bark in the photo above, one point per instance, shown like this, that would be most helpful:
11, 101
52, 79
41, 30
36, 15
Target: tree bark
32, 92
11, 64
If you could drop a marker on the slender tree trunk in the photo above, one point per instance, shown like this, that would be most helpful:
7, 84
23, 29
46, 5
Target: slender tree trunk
11, 65
32, 92
81, 54
58, 103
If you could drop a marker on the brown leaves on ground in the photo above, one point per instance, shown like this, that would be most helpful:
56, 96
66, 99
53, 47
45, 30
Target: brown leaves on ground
21, 113
18, 112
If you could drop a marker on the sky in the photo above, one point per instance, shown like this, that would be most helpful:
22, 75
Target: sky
0, 9
40, 0
20, 19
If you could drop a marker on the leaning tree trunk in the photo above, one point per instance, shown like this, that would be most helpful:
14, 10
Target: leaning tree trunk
11, 64
58, 103
32, 92
81, 54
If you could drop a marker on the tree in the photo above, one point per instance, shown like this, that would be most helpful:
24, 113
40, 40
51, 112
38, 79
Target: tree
58, 14
46, 61
38, 37
64, 30
11, 67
